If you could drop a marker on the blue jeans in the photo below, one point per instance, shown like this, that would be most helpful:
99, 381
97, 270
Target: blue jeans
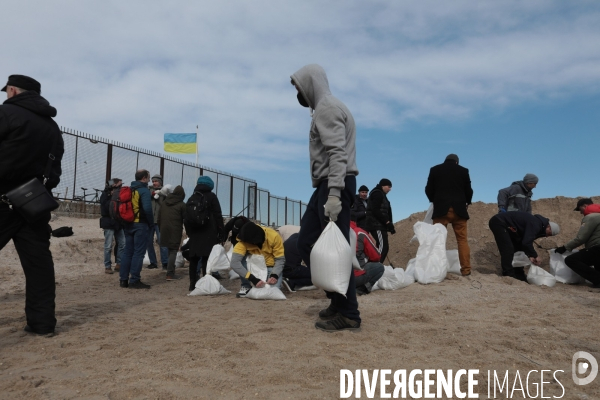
136, 241
312, 224
119, 236
164, 251
374, 271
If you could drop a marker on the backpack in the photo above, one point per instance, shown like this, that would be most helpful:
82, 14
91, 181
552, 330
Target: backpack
197, 213
63, 231
121, 207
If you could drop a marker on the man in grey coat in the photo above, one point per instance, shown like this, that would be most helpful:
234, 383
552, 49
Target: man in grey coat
333, 171
517, 197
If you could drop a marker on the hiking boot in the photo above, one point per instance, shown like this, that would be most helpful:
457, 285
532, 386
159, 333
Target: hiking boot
164, 267
29, 329
520, 274
362, 290
124, 284
327, 313
108, 271
152, 266
339, 323
243, 292
173, 277
288, 285
139, 285
117, 267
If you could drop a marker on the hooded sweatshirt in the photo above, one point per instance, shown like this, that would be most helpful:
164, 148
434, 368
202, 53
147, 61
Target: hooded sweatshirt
332, 135
516, 197
27, 134
170, 219
589, 232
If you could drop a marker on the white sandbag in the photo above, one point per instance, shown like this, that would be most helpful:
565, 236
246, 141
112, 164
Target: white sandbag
229, 253
428, 220
267, 292
539, 277
208, 285
179, 260
453, 262
396, 278
146, 260
311, 287
331, 261
561, 272
257, 266
520, 259
217, 260
353, 239
431, 264
233, 275
286, 231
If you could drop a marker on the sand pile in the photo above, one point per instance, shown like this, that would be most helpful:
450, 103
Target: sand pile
115, 343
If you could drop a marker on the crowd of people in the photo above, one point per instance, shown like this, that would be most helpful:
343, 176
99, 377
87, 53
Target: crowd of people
134, 216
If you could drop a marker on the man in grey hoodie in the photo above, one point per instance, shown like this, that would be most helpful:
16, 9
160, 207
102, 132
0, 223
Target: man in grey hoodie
333, 171
517, 197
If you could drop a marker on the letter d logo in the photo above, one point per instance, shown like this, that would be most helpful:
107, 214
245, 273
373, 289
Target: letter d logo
582, 367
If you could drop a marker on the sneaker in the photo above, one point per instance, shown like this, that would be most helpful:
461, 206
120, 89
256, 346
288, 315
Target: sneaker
108, 271
117, 267
327, 313
124, 284
362, 290
29, 329
173, 277
339, 323
288, 285
243, 292
152, 266
139, 285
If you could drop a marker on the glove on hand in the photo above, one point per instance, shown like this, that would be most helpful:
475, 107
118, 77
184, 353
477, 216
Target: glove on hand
333, 207
390, 228
501, 210
560, 249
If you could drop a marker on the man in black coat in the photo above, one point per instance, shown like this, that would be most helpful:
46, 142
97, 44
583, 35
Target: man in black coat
28, 138
449, 189
379, 216
515, 231
358, 212
112, 229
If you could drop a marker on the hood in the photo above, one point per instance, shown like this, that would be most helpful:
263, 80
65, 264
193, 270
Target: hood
592, 208
176, 197
33, 102
138, 185
522, 186
312, 83
202, 188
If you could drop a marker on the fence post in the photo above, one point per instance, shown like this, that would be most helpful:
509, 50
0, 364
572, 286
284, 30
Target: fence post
231, 197
268, 209
162, 167
109, 162
255, 200
285, 210
75, 168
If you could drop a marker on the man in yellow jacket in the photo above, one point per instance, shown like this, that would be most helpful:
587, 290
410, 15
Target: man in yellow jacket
254, 239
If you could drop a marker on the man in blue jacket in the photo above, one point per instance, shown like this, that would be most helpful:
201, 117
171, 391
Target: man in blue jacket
136, 233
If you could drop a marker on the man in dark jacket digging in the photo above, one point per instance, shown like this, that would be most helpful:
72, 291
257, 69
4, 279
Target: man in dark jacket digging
515, 231
29, 137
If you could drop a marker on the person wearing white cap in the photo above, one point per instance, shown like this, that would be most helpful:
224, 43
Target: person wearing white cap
517, 197
515, 231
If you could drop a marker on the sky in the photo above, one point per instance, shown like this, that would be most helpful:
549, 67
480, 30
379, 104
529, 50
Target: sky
512, 87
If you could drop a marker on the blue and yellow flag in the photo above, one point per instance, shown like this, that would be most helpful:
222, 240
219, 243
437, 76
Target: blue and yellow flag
180, 143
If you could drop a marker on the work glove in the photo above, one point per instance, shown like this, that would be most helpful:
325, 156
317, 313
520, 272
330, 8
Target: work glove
333, 207
560, 249
501, 210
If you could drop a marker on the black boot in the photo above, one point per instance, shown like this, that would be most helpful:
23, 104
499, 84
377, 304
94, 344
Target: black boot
124, 284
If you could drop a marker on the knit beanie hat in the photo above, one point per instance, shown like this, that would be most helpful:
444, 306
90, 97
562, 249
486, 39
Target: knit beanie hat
530, 178
206, 180
555, 228
452, 157
159, 178
363, 188
385, 182
252, 233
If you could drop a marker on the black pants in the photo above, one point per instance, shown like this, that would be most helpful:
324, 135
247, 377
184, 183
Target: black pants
312, 224
382, 243
32, 242
194, 269
505, 245
298, 276
586, 263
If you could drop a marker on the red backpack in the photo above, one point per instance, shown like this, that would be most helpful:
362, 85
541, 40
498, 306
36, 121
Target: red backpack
121, 207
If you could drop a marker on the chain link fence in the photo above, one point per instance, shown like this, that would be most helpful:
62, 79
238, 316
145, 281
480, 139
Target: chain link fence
90, 161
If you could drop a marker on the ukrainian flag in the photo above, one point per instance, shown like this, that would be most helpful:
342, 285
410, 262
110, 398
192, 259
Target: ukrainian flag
180, 143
